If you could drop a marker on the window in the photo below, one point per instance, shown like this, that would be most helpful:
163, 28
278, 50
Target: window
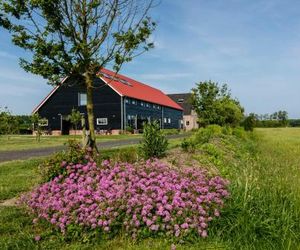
82, 99
134, 102
169, 120
180, 100
147, 105
43, 122
126, 101
102, 121
165, 120
142, 104
187, 123
158, 107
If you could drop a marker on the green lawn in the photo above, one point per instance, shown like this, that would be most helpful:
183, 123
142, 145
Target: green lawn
17, 177
23, 142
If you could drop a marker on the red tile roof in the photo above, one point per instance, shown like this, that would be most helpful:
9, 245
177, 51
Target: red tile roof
126, 86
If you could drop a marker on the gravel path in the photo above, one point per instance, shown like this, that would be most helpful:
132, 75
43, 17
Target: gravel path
25, 154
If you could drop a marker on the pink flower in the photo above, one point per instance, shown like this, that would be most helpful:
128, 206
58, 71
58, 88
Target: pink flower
37, 238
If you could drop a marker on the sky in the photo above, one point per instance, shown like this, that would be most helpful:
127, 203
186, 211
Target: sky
253, 46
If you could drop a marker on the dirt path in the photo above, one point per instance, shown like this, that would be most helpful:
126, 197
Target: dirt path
9, 203
26, 154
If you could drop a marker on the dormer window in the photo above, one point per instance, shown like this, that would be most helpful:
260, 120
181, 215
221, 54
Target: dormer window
82, 99
180, 100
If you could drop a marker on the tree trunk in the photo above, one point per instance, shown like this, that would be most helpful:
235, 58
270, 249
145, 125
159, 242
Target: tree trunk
90, 110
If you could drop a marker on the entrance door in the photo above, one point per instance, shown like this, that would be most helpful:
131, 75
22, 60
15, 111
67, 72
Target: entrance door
66, 125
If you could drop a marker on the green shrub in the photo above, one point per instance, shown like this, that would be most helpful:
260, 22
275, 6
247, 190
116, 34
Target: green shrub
249, 122
239, 132
226, 130
129, 129
154, 143
126, 155
188, 145
54, 165
203, 135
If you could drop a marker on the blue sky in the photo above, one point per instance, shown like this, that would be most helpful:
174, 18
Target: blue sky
253, 46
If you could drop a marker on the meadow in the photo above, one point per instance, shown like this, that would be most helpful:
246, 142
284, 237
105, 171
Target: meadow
263, 211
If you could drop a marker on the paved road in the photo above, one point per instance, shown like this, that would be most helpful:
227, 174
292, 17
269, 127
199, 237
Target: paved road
25, 154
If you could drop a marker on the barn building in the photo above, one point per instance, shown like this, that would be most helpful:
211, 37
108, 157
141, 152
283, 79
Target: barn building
119, 102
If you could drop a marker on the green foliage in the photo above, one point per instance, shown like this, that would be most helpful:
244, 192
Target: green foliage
275, 120
129, 129
214, 105
35, 119
55, 164
188, 145
129, 155
227, 130
294, 122
239, 132
8, 123
75, 118
154, 143
249, 122
203, 135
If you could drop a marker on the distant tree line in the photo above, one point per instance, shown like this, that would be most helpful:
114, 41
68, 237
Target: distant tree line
14, 124
274, 120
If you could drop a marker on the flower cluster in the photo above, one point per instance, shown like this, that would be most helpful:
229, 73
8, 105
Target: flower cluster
145, 198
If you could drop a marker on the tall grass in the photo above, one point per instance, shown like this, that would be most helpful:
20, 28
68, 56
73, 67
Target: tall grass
264, 211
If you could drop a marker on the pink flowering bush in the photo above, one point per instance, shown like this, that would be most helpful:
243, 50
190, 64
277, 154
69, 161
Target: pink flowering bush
144, 199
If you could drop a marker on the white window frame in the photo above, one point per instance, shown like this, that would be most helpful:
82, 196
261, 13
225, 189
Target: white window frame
80, 99
165, 120
102, 121
169, 120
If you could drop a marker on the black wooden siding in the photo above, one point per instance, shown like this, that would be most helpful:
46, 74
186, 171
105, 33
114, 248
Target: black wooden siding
152, 112
107, 104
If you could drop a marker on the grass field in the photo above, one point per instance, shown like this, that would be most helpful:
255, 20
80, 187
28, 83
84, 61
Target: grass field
23, 142
263, 212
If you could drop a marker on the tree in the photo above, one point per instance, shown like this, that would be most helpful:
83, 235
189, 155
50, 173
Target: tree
36, 126
75, 118
77, 38
214, 105
283, 117
249, 122
8, 123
